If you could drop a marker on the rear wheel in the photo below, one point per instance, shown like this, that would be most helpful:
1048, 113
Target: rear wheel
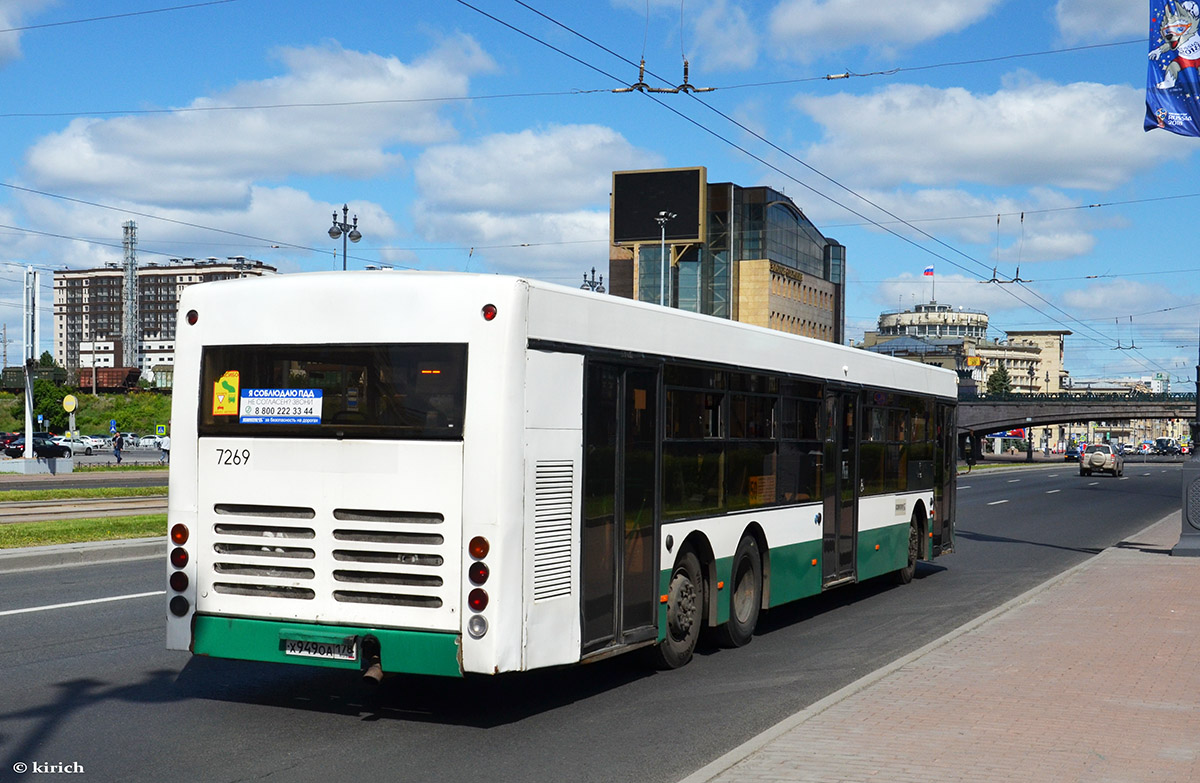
745, 595
685, 601
904, 575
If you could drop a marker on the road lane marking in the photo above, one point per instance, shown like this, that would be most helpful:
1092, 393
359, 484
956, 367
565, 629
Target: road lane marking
1013, 481
997, 502
1052, 491
1093, 483
7, 612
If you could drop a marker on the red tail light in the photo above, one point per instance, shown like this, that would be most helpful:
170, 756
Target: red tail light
179, 535
477, 599
179, 557
479, 547
478, 573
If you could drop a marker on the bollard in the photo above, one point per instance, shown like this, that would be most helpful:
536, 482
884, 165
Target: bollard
1189, 536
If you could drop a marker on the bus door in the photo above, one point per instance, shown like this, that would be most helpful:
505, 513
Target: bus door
618, 582
840, 524
945, 486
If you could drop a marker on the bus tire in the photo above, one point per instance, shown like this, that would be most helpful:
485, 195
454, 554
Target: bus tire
905, 575
685, 615
745, 595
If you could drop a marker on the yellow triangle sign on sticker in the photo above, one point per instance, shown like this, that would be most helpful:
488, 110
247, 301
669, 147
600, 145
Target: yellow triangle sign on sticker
225, 394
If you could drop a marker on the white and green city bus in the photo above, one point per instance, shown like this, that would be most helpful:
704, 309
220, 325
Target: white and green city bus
455, 474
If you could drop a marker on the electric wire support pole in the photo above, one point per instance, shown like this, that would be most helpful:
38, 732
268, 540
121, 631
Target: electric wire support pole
32, 279
1189, 534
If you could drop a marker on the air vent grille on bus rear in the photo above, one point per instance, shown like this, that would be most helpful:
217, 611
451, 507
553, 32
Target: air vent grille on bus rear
382, 557
554, 482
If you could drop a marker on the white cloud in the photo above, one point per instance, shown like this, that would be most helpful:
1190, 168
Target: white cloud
213, 158
1099, 21
14, 13
1118, 297
561, 167
725, 38
804, 29
1080, 135
280, 216
1041, 225
546, 188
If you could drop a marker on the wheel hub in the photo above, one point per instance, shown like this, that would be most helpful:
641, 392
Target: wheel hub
681, 606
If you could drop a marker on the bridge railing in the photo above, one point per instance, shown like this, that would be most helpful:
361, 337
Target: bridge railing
967, 395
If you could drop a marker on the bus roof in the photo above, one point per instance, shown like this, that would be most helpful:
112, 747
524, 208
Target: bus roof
569, 316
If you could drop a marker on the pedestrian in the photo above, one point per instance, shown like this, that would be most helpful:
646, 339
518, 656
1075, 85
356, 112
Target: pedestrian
117, 447
165, 445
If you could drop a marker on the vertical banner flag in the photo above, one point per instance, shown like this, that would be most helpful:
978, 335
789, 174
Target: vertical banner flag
1172, 81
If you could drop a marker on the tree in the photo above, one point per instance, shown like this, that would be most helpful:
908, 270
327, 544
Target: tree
999, 382
46, 360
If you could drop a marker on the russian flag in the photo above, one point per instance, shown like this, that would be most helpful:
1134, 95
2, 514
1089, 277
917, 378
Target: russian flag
929, 271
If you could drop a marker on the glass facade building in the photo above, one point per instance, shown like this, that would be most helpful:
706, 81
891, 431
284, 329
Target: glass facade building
763, 262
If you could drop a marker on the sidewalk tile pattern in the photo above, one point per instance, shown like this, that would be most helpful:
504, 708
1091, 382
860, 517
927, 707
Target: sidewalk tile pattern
1095, 679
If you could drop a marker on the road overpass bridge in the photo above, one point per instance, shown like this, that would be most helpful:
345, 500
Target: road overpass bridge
985, 414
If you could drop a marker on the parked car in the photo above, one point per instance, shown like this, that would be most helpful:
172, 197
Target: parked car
1102, 457
76, 445
93, 442
42, 448
102, 441
149, 442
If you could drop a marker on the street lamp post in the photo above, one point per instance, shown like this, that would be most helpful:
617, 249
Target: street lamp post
344, 230
1029, 425
662, 219
594, 285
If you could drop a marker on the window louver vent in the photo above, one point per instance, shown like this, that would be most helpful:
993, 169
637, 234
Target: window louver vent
552, 522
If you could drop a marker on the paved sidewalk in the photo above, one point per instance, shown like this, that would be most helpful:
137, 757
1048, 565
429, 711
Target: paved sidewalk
1093, 676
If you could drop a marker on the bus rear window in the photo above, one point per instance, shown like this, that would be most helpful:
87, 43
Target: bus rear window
409, 391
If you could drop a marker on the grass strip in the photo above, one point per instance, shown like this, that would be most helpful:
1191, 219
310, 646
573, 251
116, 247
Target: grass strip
73, 531
19, 495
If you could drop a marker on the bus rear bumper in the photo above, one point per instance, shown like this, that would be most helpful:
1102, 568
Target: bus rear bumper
400, 652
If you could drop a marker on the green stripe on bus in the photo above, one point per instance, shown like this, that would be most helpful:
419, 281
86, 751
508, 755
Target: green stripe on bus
795, 575
401, 652
891, 555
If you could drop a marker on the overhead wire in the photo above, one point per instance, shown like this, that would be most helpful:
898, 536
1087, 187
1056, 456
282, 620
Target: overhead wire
1101, 338
125, 15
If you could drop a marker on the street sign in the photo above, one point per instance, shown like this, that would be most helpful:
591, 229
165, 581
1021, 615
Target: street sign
160, 429
70, 403
112, 426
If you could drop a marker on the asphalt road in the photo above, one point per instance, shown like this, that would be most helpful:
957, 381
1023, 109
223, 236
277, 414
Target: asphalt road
92, 684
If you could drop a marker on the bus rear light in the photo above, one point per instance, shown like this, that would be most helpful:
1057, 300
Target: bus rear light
192, 317
179, 581
489, 312
179, 606
479, 547
478, 573
477, 626
179, 557
477, 599
179, 535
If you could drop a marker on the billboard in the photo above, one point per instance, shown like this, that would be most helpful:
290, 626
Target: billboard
639, 197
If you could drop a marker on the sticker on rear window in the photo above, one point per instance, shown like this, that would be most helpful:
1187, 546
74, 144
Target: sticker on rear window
281, 406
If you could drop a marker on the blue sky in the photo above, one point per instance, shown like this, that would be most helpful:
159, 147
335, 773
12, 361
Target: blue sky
464, 144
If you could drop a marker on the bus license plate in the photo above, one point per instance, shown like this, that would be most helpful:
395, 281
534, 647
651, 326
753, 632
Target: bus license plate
338, 652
